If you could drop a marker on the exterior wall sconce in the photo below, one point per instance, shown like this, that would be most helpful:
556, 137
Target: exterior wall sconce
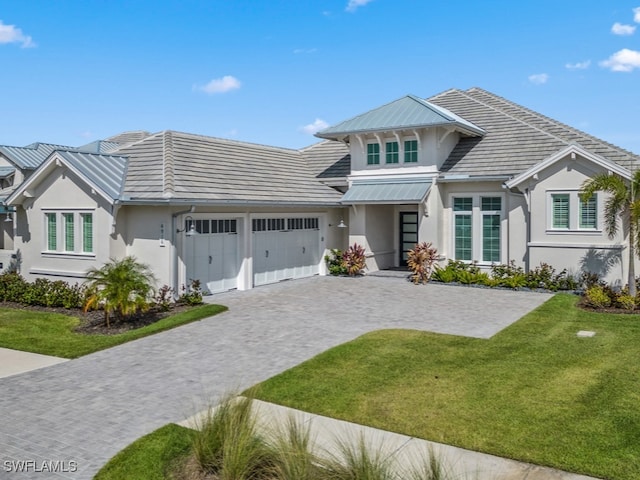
191, 232
9, 217
340, 225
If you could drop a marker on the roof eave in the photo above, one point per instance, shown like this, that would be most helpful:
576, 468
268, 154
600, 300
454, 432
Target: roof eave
341, 135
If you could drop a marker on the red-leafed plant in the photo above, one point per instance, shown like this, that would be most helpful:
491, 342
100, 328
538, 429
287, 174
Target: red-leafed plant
421, 261
354, 259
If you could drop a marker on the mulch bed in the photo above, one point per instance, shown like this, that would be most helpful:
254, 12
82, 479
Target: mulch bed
92, 322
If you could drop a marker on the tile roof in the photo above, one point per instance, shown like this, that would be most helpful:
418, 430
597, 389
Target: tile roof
517, 138
328, 159
404, 113
181, 166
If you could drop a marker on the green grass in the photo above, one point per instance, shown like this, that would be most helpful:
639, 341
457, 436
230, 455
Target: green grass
53, 334
534, 392
151, 457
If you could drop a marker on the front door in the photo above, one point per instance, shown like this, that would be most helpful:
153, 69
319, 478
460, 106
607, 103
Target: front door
408, 234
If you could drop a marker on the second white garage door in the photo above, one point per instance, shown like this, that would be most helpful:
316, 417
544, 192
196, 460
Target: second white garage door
285, 248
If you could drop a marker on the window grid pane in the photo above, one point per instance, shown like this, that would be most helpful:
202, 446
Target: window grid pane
69, 232
560, 214
392, 155
52, 239
410, 151
491, 204
589, 213
373, 154
87, 232
491, 238
462, 204
463, 237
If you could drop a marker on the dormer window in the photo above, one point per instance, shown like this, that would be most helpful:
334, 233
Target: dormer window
373, 154
392, 153
410, 151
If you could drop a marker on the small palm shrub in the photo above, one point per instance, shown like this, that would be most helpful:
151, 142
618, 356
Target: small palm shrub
456, 271
597, 297
335, 263
421, 260
354, 259
123, 287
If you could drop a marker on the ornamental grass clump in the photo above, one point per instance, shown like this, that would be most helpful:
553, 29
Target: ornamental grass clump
291, 447
421, 261
357, 461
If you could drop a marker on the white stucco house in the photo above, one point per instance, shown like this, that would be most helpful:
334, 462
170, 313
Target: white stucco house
485, 180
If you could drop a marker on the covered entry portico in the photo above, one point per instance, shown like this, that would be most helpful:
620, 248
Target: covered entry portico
385, 218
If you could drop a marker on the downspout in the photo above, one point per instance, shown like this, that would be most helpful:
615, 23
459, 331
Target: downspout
174, 236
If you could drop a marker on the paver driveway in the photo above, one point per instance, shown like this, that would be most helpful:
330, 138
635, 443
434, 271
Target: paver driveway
86, 410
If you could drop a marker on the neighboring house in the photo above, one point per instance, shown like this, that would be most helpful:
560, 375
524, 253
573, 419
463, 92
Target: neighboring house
483, 179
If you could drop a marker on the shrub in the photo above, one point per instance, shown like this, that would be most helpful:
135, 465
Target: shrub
421, 261
164, 298
354, 259
456, 271
193, 294
626, 301
597, 297
12, 287
335, 263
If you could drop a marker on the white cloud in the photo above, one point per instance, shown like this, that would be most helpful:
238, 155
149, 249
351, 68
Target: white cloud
578, 65
624, 60
12, 34
621, 29
314, 127
220, 85
636, 14
539, 78
353, 5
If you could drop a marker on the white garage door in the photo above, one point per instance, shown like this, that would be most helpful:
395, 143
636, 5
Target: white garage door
285, 248
212, 254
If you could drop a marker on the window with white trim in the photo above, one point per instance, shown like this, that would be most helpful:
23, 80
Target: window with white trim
567, 212
477, 228
373, 153
68, 232
410, 151
392, 152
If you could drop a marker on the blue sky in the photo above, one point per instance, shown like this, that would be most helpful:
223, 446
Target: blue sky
268, 71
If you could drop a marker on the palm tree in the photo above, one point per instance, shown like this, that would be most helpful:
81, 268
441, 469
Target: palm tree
123, 286
623, 203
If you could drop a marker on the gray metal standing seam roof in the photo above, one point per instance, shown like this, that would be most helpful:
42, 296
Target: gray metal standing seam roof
106, 172
406, 112
31, 156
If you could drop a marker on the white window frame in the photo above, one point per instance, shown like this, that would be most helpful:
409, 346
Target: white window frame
575, 211
61, 238
477, 216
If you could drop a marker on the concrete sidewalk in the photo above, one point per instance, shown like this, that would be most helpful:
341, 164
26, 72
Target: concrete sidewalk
13, 362
457, 463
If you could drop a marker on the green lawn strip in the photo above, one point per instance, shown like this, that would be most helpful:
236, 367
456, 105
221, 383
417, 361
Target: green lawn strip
151, 457
53, 333
534, 392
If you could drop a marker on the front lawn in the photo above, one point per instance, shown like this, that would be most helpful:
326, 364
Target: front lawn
53, 333
534, 392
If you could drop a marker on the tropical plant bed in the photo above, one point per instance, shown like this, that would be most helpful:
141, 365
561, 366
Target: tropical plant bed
53, 331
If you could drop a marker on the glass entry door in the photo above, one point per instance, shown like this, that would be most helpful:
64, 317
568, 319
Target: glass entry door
408, 234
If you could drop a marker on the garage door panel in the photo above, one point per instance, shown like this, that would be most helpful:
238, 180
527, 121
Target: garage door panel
293, 252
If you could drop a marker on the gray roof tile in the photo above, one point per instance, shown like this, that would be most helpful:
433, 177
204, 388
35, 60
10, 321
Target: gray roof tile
186, 166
